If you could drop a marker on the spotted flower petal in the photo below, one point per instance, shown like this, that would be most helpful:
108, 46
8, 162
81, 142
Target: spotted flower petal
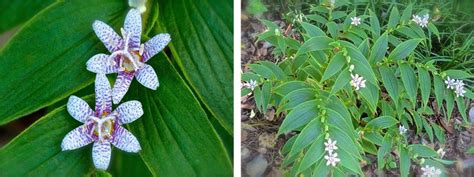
101, 153
75, 139
78, 109
147, 77
121, 86
103, 95
155, 45
101, 63
107, 35
129, 111
133, 26
125, 140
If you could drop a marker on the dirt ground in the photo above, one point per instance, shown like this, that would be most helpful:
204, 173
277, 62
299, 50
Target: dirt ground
260, 146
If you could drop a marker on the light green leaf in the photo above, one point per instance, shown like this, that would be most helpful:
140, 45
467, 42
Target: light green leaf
299, 116
332, 28
202, 44
404, 49
407, 13
335, 65
342, 80
409, 81
312, 30
361, 65
394, 18
457, 74
314, 153
174, 130
422, 150
374, 24
405, 162
290, 86
390, 82
295, 98
382, 122
277, 71
439, 90
315, 44
425, 85
309, 133
379, 49
48, 68
439, 132
262, 71
428, 129
385, 148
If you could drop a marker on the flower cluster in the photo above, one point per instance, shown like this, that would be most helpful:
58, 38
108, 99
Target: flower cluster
331, 157
422, 21
356, 81
355, 21
429, 171
127, 58
456, 85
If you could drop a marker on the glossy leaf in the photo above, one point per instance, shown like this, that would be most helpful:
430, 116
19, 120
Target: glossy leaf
404, 49
202, 44
46, 68
14, 13
174, 130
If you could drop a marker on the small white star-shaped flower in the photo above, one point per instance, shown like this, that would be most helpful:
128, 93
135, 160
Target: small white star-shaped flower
430, 171
252, 84
355, 21
450, 83
332, 159
357, 81
422, 21
402, 129
330, 145
459, 88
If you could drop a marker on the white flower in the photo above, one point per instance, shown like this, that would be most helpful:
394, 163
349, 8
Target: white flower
330, 145
252, 84
450, 83
355, 21
441, 152
332, 159
402, 129
423, 22
430, 171
351, 68
357, 82
459, 88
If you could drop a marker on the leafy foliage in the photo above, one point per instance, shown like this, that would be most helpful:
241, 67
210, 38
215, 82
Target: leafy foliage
316, 87
175, 132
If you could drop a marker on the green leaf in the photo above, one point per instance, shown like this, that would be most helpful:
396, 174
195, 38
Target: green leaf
418, 122
262, 71
277, 71
409, 81
404, 161
37, 150
312, 30
370, 94
361, 65
53, 64
458, 74
314, 153
342, 80
428, 129
385, 148
449, 96
14, 13
439, 90
295, 98
174, 130
290, 86
266, 94
394, 18
374, 24
422, 150
309, 133
432, 28
335, 65
407, 13
425, 85
439, 132
202, 45
379, 49
100, 173
404, 49
382, 122
124, 164
299, 116
349, 162
315, 44
390, 82
332, 28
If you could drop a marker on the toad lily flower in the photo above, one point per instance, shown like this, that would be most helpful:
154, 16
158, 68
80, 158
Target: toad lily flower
102, 126
127, 56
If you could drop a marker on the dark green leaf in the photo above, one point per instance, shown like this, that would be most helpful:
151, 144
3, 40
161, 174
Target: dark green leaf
314, 153
312, 30
299, 116
407, 13
394, 18
379, 49
335, 65
202, 44
382, 122
439, 90
315, 44
374, 24
409, 81
390, 82
14, 13
307, 136
457, 74
422, 150
404, 161
425, 85
342, 80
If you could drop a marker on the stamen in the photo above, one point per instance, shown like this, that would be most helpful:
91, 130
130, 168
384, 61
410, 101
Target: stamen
142, 48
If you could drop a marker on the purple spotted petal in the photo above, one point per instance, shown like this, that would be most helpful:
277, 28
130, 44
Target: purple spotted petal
155, 45
103, 95
76, 139
129, 111
147, 77
101, 63
125, 140
133, 26
101, 153
78, 109
121, 86
107, 35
